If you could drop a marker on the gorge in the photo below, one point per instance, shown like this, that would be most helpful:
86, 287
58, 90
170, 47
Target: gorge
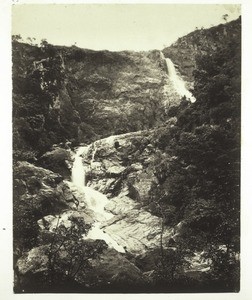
122, 180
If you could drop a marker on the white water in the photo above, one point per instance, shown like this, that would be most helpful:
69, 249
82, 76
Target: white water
177, 81
78, 172
95, 201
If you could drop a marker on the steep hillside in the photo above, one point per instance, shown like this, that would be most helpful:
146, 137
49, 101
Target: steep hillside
185, 50
62, 93
98, 207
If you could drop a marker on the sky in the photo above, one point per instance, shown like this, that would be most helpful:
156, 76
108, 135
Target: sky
116, 27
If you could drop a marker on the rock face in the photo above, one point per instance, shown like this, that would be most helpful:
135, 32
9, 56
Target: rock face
121, 167
88, 95
122, 162
134, 228
116, 89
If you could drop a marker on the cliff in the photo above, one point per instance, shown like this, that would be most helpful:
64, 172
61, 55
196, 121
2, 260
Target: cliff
79, 95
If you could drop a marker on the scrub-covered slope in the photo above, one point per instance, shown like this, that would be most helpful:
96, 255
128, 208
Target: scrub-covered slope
67, 93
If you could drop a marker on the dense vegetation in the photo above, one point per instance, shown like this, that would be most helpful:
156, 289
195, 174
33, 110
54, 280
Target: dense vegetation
199, 180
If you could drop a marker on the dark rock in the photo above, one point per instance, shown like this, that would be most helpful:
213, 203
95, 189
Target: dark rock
19, 187
35, 198
58, 161
33, 185
112, 268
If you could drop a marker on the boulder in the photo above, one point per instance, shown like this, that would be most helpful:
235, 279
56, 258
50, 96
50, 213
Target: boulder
50, 222
58, 160
42, 192
140, 184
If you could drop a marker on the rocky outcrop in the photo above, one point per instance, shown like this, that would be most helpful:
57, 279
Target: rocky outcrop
37, 193
114, 270
134, 228
58, 160
122, 162
39, 188
82, 95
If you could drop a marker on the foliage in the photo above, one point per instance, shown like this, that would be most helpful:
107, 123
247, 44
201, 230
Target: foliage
37, 79
68, 254
65, 259
200, 175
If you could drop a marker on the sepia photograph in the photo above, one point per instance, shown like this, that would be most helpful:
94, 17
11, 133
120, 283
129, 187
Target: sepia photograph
126, 148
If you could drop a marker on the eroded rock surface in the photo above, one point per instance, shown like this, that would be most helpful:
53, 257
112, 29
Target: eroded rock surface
136, 229
121, 167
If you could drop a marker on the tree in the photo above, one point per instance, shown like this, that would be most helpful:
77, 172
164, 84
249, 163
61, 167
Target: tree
16, 38
65, 259
225, 17
68, 254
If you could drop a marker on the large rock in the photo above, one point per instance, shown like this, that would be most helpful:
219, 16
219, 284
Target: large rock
50, 222
58, 160
37, 193
134, 228
121, 167
115, 170
41, 189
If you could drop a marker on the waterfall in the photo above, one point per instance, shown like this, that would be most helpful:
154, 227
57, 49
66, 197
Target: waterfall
78, 172
94, 200
177, 81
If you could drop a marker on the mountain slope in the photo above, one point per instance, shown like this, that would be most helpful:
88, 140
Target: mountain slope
67, 93
174, 185
185, 50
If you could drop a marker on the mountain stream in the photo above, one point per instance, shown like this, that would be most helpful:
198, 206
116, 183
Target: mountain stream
94, 200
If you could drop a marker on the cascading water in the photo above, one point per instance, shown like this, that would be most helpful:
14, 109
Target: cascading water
78, 172
95, 201
178, 82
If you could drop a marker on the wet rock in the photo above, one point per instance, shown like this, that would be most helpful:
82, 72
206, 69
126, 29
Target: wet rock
128, 162
120, 205
134, 228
